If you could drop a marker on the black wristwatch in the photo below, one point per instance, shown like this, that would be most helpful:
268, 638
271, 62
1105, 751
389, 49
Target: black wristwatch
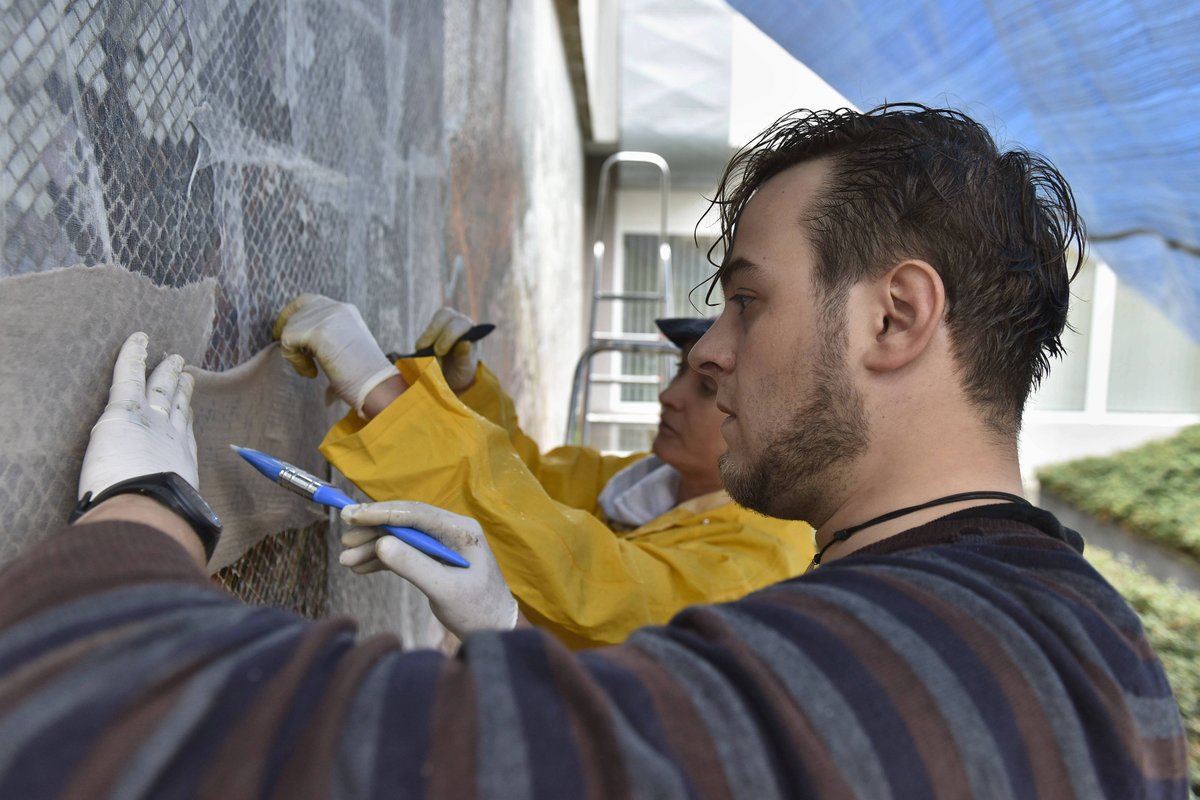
170, 489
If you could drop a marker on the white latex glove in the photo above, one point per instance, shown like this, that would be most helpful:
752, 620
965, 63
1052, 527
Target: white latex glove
464, 600
334, 334
146, 426
460, 361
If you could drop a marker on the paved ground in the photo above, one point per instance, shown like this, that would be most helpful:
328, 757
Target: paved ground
1161, 562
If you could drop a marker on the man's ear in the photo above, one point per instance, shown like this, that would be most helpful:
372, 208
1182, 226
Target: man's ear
906, 305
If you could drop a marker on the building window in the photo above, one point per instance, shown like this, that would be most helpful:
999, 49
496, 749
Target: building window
689, 267
1065, 388
1124, 356
1155, 365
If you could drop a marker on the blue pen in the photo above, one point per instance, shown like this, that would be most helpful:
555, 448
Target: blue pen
313, 488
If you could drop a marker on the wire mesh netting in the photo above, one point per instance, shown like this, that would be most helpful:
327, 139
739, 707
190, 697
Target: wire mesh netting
289, 570
274, 146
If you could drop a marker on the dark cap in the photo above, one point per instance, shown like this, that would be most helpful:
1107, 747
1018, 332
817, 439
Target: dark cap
684, 330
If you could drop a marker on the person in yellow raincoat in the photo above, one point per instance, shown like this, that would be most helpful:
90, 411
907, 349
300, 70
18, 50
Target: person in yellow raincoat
592, 546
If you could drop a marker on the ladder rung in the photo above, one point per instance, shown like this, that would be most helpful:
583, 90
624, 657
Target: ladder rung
625, 336
622, 419
627, 379
630, 296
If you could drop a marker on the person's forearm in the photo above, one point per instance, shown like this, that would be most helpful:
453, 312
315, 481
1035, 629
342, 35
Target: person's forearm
382, 396
147, 511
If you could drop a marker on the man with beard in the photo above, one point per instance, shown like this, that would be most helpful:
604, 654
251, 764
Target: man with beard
894, 285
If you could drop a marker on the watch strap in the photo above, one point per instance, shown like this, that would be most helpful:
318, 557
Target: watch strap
165, 487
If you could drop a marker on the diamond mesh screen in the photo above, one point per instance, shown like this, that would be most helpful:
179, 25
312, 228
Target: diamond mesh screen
395, 154
276, 146
288, 570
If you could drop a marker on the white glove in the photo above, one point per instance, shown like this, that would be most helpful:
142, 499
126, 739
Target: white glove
460, 361
464, 600
146, 426
315, 327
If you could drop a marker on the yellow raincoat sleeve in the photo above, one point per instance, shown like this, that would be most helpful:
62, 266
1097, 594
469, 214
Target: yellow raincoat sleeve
569, 572
571, 475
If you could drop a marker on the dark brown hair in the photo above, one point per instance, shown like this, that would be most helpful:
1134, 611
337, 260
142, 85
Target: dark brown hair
907, 181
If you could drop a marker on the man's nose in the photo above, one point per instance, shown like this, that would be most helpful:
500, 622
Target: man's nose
711, 355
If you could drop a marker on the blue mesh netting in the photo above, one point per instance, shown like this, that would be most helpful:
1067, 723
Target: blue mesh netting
1109, 91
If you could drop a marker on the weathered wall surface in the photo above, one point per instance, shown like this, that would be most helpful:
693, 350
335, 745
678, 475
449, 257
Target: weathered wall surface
514, 225
399, 155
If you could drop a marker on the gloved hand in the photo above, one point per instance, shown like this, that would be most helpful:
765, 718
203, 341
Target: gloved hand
464, 600
146, 426
334, 334
460, 361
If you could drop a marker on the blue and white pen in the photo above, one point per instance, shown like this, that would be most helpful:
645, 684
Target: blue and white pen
313, 488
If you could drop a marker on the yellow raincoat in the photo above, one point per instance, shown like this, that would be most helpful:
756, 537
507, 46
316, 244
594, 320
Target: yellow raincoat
570, 572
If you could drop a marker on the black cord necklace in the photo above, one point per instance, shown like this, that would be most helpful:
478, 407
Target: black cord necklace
846, 533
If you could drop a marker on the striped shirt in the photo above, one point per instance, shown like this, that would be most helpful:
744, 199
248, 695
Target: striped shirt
976, 656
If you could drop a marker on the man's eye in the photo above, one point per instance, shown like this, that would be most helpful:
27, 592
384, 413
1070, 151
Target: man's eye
740, 300
708, 389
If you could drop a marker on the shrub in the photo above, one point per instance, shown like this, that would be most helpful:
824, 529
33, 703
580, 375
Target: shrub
1152, 490
1171, 618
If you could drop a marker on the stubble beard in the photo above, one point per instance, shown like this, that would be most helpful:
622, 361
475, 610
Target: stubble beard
807, 465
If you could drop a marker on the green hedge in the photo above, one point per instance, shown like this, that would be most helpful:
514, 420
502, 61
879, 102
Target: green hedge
1153, 490
1171, 617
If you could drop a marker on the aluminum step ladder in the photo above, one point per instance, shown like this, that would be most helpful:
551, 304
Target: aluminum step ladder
579, 413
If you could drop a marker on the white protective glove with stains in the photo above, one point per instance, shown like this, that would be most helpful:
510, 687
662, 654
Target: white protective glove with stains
475, 598
146, 427
459, 362
314, 329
